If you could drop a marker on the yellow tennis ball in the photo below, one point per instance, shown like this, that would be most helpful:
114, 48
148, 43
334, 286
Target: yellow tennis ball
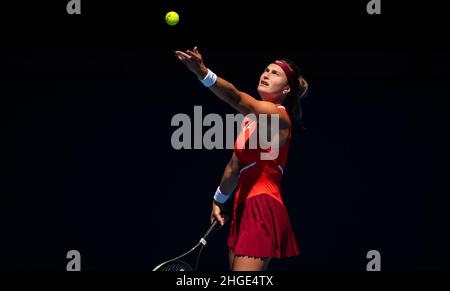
172, 18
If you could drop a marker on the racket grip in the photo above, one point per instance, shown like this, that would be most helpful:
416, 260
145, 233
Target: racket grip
214, 226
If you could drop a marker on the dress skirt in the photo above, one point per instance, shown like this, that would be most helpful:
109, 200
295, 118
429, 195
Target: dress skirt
260, 227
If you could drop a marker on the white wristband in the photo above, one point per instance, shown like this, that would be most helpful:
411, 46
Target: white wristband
210, 79
220, 197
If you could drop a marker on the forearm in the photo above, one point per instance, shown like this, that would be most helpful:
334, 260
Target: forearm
220, 87
227, 185
229, 181
227, 92
223, 89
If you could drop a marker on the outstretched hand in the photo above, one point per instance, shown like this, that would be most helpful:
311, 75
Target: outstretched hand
193, 60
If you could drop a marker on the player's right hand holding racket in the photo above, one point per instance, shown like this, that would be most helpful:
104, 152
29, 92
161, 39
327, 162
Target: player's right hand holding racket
218, 212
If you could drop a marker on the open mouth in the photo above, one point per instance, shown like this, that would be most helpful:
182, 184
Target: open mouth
264, 83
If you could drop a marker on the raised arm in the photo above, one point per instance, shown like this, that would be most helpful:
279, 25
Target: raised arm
226, 91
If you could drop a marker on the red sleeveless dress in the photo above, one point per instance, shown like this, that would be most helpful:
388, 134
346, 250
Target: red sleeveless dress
260, 225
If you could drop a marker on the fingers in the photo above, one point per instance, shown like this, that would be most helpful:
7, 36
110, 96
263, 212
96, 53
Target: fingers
189, 55
213, 216
193, 55
217, 216
220, 219
182, 56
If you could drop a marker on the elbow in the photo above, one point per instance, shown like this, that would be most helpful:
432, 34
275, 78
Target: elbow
234, 171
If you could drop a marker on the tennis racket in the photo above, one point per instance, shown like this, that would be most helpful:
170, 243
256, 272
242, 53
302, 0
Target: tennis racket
189, 260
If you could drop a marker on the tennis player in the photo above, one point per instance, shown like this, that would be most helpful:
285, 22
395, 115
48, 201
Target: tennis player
260, 227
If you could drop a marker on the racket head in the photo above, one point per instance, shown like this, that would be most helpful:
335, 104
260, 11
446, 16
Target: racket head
174, 266
180, 263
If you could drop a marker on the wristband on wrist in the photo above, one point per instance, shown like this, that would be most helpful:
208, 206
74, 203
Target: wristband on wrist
210, 79
220, 197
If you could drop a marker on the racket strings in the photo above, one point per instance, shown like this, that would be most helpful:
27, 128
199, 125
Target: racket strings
175, 266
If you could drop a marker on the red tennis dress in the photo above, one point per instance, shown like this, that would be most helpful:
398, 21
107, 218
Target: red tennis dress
260, 226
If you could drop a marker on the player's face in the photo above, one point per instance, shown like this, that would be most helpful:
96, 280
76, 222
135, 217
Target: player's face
272, 83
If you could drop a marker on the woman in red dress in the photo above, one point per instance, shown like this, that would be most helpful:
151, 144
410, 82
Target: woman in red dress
260, 227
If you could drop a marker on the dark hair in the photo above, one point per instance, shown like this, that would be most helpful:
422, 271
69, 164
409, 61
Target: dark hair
292, 102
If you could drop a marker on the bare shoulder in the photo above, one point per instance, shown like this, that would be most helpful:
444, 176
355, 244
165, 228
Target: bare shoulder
271, 108
248, 105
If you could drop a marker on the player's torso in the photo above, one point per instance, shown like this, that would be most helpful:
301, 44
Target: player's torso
259, 174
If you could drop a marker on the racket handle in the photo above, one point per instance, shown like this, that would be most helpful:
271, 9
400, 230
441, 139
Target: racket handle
214, 226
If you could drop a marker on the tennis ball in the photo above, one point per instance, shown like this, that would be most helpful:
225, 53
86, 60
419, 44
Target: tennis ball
172, 18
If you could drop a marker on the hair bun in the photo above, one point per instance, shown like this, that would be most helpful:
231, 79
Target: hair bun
303, 86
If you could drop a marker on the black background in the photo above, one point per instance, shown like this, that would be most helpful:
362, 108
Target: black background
87, 102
